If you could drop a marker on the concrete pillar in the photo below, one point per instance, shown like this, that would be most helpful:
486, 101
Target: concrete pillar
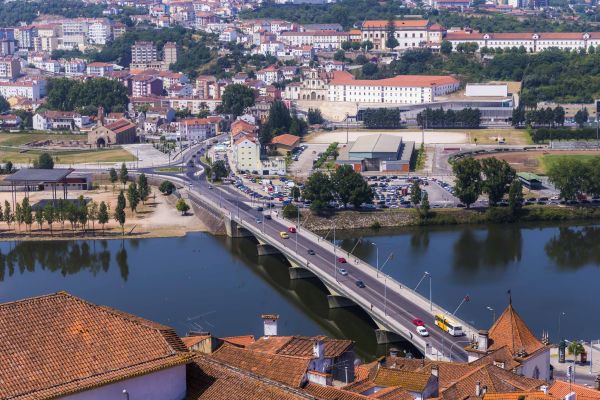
300, 273
385, 337
336, 301
266, 249
234, 230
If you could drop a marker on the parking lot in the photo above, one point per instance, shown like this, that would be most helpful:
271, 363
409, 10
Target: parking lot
302, 167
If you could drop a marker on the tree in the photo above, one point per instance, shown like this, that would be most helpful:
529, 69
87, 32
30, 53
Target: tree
581, 117
425, 205
314, 116
339, 55
166, 187
559, 115
103, 214
19, 214
82, 212
143, 188
446, 47
113, 177
49, 215
518, 116
92, 213
295, 193
236, 98
350, 187
279, 122
68, 94
44, 161
515, 196
318, 190
9, 167
369, 69
182, 206
4, 105
39, 217
346, 45
391, 42
219, 170
468, 180
290, 211
123, 174
133, 196
498, 177
416, 194
569, 176
120, 211
8, 215
367, 45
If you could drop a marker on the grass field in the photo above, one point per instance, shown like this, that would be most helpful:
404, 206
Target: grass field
73, 157
549, 159
489, 136
539, 161
18, 139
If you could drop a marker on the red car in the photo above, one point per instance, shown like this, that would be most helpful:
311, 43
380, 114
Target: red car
418, 322
291, 229
341, 260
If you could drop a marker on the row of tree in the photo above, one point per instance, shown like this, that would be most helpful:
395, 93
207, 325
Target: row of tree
440, 118
280, 121
573, 177
545, 134
549, 117
491, 176
381, 118
345, 186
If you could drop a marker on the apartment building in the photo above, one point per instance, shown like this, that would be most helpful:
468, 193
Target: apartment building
10, 68
409, 33
195, 129
32, 90
143, 52
531, 41
99, 69
401, 89
56, 120
24, 35
74, 67
321, 40
144, 85
169, 53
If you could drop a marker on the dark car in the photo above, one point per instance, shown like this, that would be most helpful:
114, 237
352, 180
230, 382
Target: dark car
311, 252
360, 284
259, 208
341, 260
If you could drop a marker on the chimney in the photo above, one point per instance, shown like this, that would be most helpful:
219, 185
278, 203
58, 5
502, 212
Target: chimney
478, 389
435, 370
483, 390
544, 389
270, 324
319, 349
482, 340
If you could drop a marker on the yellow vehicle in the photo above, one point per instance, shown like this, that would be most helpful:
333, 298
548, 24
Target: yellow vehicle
448, 325
284, 235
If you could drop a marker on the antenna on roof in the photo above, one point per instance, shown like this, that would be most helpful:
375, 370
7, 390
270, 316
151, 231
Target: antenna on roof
509, 297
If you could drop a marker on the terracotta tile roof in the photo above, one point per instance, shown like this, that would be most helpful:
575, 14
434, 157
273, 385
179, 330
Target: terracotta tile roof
461, 35
241, 341
332, 393
409, 380
190, 341
303, 347
510, 330
59, 344
208, 379
501, 355
286, 139
346, 78
241, 125
121, 125
399, 24
561, 389
270, 344
365, 371
519, 396
393, 394
284, 369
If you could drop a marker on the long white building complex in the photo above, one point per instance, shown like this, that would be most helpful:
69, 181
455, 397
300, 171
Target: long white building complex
401, 89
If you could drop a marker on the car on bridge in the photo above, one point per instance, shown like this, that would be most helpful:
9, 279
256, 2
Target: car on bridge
311, 252
291, 229
418, 322
360, 284
342, 272
284, 235
422, 331
341, 260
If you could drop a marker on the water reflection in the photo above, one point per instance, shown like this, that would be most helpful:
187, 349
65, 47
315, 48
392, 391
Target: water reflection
65, 257
574, 248
497, 246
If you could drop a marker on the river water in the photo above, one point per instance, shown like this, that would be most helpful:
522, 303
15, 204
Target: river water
205, 283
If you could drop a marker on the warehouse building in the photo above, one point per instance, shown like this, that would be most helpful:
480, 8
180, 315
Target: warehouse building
384, 153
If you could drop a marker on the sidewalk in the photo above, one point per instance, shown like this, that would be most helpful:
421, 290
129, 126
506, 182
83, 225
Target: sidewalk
585, 374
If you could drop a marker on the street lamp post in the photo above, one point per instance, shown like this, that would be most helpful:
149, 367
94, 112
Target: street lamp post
466, 298
377, 250
334, 256
297, 227
493, 313
426, 275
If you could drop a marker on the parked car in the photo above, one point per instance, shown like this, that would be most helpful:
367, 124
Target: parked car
284, 235
422, 331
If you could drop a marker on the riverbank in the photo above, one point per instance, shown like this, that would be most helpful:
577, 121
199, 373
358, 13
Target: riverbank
157, 218
350, 220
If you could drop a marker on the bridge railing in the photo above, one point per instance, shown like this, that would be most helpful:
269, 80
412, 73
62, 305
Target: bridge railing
402, 289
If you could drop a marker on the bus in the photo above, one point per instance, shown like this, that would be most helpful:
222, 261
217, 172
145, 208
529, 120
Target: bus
448, 325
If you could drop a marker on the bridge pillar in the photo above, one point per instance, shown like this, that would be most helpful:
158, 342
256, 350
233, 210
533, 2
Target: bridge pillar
384, 337
300, 273
336, 301
266, 249
234, 230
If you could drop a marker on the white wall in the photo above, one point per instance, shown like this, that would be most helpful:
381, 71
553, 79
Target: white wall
168, 384
542, 362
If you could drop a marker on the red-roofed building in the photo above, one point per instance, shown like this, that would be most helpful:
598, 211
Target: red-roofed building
196, 129
401, 89
122, 131
285, 143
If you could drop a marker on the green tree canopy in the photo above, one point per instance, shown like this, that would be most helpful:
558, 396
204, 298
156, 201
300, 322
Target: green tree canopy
350, 187
69, 95
44, 161
498, 177
468, 180
4, 106
236, 98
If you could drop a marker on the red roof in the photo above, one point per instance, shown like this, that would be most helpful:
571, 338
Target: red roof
346, 78
409, 23
286, 140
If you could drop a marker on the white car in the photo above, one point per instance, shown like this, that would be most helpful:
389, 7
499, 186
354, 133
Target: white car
422, 331
342, 272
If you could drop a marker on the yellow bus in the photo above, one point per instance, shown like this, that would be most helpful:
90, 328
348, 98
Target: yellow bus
448, 325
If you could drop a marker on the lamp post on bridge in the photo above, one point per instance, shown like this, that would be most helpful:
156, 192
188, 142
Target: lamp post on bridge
427, 275
493, 313
385, 285
465, 299
377, 250
334, 256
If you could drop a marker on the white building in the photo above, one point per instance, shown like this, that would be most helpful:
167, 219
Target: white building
59, 120
99, 32
32, 90
99, 68
228, 35
401, 89
196, 129
74, 67
409, 33
269, 75
322, 40
532, 42
246, 157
